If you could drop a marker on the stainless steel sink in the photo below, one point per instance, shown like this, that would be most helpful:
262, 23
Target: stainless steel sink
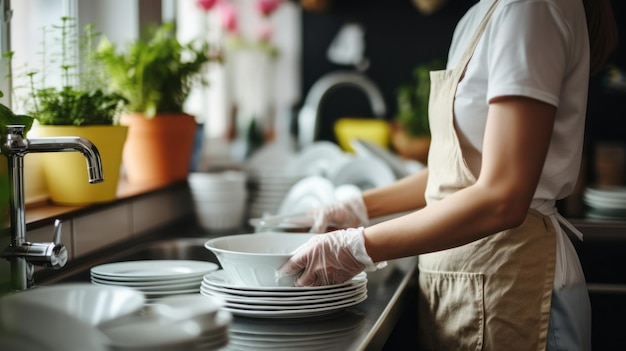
160, 249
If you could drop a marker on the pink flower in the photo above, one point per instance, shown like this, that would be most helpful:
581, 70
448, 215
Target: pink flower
206, 5
264, 32
228, 16
267, 7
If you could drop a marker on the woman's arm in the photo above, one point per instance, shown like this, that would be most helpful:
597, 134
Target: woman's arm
406, 194
516, 142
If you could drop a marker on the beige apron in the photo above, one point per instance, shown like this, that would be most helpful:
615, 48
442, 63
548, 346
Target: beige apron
494, 293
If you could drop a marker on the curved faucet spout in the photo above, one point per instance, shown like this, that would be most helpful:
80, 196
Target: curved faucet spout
65, 144
308, 118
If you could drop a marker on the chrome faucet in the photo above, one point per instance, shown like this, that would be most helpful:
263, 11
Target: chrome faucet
21, 253
308, 117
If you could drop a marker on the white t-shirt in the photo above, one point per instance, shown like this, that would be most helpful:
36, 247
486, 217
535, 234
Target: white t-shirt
538, 49
533, 48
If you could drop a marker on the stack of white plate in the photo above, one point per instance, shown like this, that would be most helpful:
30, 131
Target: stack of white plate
267, 189
155, 278
331, 332
219, 198
284, 302
605, 203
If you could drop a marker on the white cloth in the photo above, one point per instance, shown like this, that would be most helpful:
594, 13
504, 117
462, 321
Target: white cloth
553, 66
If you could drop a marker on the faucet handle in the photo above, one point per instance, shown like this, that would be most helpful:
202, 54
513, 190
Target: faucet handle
58, 225
52, 255
49, 255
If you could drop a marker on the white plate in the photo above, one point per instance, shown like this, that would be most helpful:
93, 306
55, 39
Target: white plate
364, 172
219, 278
369, 149
310, 192
155, 288
141, 284
253, 304
297, 313
316, 159
154, 269
284, 301
162, 291
286, 329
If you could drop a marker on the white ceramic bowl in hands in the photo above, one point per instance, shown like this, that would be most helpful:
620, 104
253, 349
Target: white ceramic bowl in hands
253, 259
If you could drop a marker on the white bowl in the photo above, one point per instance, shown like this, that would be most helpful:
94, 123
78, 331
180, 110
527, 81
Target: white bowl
90, 303
26, 324
253, 259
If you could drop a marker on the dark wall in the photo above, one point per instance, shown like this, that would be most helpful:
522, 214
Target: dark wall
398, 37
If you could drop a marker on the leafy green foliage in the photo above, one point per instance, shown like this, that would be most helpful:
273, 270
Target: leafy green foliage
155, 75
7, 117
82, 99
412, 100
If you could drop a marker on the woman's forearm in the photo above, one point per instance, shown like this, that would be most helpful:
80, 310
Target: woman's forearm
403, 195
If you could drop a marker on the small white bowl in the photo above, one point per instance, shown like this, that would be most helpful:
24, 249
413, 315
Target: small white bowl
92, 304
253, 259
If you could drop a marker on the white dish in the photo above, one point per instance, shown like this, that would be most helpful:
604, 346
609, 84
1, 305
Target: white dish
364, 172
296, 313
48, 327
152, 331
316, 159
286, 329
301, 307
89, 303
253, 259
222, 279
310, 192
148, 283
150, 270
288, 303
369, 149
158, 288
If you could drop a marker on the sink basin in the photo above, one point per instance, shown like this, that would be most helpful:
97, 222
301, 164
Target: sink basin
161, 249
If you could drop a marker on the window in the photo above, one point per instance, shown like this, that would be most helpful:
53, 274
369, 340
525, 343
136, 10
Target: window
275, 91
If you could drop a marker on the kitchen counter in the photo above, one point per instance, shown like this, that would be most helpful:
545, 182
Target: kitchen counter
365, 326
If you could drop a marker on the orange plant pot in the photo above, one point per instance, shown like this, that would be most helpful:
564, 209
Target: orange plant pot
158, 150
409, 147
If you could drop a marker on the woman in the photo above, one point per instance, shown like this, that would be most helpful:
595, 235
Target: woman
507, 120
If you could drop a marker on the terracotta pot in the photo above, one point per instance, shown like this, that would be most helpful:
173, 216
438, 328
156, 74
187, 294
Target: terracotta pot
158, 150
410, 147
65, 173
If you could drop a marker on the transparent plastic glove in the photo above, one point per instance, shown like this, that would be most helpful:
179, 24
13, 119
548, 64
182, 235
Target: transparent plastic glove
330, 258
349, 213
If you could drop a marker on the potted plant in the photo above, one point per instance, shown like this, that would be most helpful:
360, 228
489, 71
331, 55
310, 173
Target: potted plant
79, 107
155, 76
410, 130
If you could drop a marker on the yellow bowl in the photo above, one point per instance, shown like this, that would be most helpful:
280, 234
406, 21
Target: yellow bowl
375, 130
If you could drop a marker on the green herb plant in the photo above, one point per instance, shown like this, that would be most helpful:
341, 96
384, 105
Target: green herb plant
412, 100
7, 117
155, 75
82, 99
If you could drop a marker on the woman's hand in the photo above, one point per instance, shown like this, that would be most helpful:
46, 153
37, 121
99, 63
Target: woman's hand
349, 213
331, 258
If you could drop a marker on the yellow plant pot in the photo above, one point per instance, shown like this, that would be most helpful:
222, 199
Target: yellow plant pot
66, 172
